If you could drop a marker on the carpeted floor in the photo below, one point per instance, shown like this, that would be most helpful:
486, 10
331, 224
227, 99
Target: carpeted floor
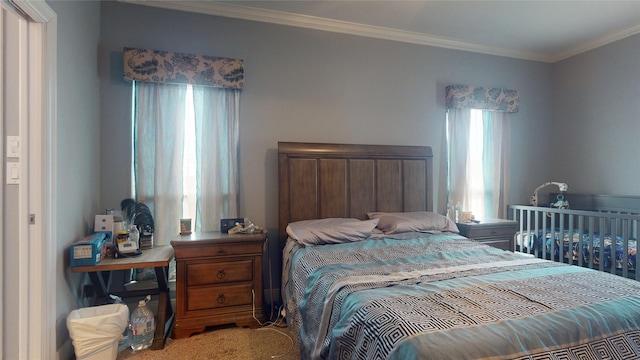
222, 343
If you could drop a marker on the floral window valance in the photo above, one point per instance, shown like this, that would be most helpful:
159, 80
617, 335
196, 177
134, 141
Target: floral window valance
485, 98
172, 67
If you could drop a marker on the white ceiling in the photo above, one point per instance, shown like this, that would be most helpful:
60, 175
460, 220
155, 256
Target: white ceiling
534, 30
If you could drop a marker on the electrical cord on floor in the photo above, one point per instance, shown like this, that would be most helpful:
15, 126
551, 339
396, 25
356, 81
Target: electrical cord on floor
269, 325
278, 322
288, 337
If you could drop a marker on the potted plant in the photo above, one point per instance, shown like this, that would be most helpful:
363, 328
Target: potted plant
139, 214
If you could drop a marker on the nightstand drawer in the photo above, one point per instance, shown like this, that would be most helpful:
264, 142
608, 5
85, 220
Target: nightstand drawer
219, 272
212, 297
200, 251
481, 232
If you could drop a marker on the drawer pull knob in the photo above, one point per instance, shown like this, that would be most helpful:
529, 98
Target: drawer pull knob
221, 252
221, 299
221, 274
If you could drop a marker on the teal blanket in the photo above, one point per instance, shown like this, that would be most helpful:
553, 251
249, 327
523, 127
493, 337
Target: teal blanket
442, 296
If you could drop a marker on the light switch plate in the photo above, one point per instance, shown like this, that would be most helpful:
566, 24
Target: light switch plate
13, 146
13, 173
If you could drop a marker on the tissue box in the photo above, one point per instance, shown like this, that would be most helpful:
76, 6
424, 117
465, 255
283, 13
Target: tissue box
104, 223
90, 250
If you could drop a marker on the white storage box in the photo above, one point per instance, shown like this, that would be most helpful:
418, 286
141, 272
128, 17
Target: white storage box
95, 331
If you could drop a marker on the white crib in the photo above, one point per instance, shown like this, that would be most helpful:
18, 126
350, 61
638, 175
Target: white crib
599, 232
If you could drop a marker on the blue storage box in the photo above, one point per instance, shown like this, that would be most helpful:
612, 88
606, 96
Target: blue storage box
90, 250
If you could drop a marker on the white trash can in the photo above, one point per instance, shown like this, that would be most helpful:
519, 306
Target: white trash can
95, 331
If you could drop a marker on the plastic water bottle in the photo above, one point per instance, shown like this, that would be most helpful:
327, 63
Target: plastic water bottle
134, 235
143, 326
451, 211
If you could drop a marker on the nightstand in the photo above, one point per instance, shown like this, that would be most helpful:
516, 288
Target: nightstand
495, 232
218, 281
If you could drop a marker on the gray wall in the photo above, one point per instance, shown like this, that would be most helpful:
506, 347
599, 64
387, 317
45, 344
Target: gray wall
306, 85
78, 147
596, 135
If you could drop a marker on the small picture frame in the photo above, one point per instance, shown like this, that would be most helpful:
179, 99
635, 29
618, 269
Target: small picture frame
185, 226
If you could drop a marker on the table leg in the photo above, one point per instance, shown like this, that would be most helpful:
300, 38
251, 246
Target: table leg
165, 311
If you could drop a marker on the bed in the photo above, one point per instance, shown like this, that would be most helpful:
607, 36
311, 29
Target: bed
599, 232
371, 272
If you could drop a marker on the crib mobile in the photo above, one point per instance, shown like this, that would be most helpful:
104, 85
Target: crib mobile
561, 202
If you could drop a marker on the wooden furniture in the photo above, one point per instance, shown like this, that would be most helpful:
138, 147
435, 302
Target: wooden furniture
332, 180
495, 232
158, 258
341, 180
218, 281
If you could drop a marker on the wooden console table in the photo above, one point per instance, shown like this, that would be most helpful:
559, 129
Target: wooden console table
158, 258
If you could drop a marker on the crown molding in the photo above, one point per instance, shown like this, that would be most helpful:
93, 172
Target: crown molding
596, 43
350, 28
38, 10
337, 26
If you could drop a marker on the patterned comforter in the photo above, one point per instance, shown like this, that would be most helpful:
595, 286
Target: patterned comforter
441, 296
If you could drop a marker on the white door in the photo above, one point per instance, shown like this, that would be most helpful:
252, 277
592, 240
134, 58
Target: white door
27, 105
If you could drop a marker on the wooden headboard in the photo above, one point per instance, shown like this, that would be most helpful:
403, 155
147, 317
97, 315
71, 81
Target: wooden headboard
317, 181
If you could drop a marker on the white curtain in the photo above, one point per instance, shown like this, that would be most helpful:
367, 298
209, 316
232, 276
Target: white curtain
495, 162
458, 130
490, 200
216, 120
159, 120
159, 128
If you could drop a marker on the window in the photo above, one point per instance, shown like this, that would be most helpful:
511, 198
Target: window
185, 141
477, 158
477, 148
179, 127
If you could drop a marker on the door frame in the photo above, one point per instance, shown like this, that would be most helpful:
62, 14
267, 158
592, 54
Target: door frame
37, 238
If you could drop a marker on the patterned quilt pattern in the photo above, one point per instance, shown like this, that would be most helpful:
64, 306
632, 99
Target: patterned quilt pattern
446, 297
569, 242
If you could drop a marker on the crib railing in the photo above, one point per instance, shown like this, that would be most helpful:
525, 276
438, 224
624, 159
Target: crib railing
605, 241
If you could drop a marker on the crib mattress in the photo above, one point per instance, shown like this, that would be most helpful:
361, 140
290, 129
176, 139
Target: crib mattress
569, 242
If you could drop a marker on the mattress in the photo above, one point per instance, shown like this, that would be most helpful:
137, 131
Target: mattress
442, 296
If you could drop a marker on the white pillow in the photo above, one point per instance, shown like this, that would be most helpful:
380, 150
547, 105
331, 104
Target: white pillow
398, 222
330, 230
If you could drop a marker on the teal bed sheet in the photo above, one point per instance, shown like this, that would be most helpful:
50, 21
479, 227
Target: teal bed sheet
442, 296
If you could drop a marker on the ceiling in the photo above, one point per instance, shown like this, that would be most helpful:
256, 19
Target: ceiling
546, 31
